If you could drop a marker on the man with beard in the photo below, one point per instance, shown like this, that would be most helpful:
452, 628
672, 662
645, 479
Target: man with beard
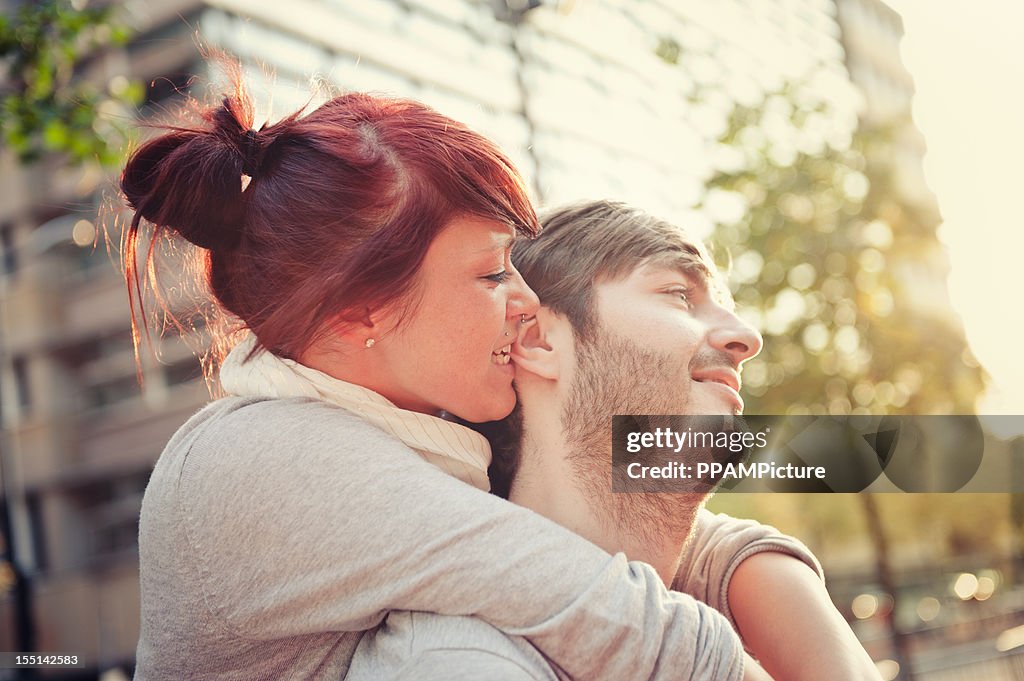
634, 320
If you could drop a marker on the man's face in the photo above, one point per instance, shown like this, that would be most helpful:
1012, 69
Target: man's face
664, 345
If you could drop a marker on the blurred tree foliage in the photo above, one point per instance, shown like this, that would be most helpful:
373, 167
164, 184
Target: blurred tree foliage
844, 271
47, 104
844, 275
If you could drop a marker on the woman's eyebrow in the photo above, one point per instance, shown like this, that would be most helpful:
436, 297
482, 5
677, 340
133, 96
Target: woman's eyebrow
495, 245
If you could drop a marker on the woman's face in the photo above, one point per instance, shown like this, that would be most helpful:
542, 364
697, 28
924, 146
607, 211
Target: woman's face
451, 351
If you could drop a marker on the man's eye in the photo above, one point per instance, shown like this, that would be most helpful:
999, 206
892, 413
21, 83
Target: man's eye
499, 277
682, 293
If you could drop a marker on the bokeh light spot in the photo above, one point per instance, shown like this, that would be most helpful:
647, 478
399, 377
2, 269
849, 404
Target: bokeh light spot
928, 608
965, 586
864, 606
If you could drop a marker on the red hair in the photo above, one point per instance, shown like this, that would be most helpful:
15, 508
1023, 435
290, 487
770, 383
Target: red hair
340, 209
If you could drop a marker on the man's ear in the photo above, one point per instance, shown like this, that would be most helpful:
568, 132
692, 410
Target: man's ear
542, 344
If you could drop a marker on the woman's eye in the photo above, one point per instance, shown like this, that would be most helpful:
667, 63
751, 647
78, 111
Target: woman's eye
499, 277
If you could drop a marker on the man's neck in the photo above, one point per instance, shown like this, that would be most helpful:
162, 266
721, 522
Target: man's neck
574, 490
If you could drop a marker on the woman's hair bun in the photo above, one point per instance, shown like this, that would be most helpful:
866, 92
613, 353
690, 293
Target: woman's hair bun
190, 179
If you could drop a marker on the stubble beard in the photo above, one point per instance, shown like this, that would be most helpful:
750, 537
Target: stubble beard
614, 375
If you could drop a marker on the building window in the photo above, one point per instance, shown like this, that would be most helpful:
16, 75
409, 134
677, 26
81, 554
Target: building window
22, 390
84, 262
107, 392
34, 507
110, 509
182, 371
38, 559
115, 536
105, 369
8, 256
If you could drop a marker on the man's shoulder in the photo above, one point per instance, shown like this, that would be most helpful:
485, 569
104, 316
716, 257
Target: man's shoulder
425, 645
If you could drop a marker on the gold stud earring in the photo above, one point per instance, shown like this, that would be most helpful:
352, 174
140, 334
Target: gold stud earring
369, 343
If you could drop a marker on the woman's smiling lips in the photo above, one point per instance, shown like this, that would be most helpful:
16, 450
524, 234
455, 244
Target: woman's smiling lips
502, 357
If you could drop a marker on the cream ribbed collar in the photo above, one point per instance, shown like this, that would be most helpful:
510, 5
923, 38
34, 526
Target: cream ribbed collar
455, 449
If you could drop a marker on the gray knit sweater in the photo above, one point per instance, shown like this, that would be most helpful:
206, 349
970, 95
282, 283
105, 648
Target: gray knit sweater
275, 531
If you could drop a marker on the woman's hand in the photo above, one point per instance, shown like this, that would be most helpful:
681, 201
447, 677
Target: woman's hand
786, 619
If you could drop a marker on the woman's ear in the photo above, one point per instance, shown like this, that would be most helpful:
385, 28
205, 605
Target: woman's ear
540, 347
358, 331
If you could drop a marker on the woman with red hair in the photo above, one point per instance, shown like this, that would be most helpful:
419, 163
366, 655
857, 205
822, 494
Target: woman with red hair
358, 259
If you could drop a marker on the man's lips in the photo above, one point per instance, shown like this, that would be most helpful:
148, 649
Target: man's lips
725, 376
726, 381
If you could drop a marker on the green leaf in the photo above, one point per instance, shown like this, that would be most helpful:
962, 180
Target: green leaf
56, 135
44, 107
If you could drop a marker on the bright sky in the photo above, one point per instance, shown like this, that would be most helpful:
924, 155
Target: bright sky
968, 68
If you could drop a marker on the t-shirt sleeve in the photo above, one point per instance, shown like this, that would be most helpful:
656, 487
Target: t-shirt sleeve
302, 518
718, 545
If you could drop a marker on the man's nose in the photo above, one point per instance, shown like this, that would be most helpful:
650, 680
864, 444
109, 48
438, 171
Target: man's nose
734, 336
